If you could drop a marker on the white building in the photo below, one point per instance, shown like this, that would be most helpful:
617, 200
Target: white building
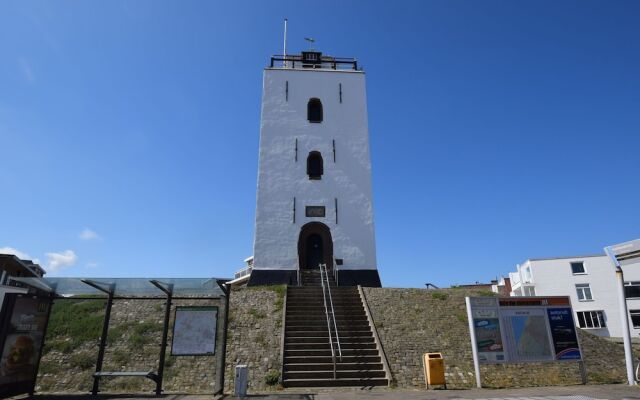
590, 282
314, 202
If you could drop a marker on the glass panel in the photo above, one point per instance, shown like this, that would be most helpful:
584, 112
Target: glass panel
632, 291
581, 322
587, 293
196, 287
635, 318
589, 319
577, 267
580, 293
601, 319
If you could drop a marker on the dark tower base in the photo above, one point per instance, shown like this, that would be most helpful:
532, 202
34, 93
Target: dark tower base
362, 277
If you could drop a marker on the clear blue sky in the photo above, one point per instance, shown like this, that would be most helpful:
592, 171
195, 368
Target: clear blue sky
500, 130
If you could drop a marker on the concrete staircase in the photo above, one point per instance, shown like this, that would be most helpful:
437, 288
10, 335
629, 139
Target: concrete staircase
307, 351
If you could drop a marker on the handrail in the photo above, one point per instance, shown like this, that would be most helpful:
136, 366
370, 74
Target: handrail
336, 275
333, 313
326, 312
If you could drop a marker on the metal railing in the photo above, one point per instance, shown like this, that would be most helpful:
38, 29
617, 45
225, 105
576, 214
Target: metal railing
326, 293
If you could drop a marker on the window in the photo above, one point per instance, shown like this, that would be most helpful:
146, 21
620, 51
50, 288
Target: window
591, 319
584, 292
314, 110
632, 290
315, 167
578, 268
529, 290
635, 318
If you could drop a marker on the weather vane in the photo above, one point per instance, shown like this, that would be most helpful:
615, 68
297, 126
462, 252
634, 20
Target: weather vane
311, 42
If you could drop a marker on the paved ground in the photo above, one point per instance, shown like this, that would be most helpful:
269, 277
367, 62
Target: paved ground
612, 392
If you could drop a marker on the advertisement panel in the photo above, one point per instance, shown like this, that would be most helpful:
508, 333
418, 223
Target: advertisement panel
23, 334
563, 332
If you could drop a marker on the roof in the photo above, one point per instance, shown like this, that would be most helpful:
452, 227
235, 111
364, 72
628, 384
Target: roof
17, 267
567, 257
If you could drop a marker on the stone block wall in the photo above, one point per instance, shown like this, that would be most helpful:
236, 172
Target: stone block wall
254, 336
411, 322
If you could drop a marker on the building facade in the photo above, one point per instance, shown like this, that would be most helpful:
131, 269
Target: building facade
590, 282
314, 202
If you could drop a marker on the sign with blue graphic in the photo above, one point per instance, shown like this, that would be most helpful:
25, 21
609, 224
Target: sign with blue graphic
563, 332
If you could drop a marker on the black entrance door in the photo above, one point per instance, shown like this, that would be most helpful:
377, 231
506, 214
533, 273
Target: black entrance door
314, 251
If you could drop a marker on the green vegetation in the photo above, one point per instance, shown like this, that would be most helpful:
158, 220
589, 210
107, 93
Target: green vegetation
439, 295
82, 360
462, 318
256, 314
74, 322
272, 378
486, 293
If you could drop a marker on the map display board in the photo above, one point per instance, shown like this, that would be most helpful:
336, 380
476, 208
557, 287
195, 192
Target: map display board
523, 329
194, 331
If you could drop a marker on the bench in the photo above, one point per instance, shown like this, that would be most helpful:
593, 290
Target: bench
150, 375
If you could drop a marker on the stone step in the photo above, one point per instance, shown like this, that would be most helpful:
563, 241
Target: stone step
325, 345
329, 366
360, 382
323, 316
311, 310
320, 339
300, 330
327, 352
298, 359
322, 322
328, 374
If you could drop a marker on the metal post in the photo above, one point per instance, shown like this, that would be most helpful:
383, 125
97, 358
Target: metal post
44, 334
624, 316
628, 352
165, 333
221, 359
474, 346
103, 343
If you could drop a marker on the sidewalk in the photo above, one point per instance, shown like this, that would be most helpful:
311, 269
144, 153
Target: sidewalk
579, 392
612, 392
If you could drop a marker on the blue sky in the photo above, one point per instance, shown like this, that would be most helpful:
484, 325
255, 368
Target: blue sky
500, 130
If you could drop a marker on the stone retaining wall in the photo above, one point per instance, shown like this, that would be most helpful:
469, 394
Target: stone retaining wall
411, 322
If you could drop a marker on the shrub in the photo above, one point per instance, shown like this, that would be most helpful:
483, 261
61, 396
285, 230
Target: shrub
272, 378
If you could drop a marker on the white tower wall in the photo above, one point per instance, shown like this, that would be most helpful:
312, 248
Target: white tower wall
347, 180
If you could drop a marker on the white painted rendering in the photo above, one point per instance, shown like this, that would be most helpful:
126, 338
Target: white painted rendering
281, 178
554, 277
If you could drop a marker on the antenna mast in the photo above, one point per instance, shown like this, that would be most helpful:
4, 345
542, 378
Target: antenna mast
285, 43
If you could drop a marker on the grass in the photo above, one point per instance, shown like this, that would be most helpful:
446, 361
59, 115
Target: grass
83, 360
73, 322
256, 314
439, 295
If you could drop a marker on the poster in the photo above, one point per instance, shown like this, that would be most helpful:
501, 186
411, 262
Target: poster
23, 339
194, 331
488, 335
563, 332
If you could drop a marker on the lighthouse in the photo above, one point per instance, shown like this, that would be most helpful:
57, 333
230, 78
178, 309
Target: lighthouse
314, 200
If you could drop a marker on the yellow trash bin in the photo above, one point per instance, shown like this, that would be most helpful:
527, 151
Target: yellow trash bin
434, 369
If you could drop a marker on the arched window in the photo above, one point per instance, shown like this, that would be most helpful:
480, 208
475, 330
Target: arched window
314, 110
314, 165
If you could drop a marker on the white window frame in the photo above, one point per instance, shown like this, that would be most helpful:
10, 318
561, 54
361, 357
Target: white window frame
584, 267
595, 316
580, 290
632, 283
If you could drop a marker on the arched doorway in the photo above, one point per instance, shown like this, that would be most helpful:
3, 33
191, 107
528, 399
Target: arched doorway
315, 246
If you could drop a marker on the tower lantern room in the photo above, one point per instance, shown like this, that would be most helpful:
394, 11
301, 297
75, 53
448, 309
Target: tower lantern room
314, 203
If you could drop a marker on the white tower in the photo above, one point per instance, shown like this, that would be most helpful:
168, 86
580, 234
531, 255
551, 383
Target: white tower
314, 200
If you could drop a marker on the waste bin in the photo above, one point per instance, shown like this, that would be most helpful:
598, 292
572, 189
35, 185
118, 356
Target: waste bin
434, 369
240, 383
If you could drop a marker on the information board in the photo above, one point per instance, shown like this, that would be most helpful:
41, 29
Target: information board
523, 329
194, 331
